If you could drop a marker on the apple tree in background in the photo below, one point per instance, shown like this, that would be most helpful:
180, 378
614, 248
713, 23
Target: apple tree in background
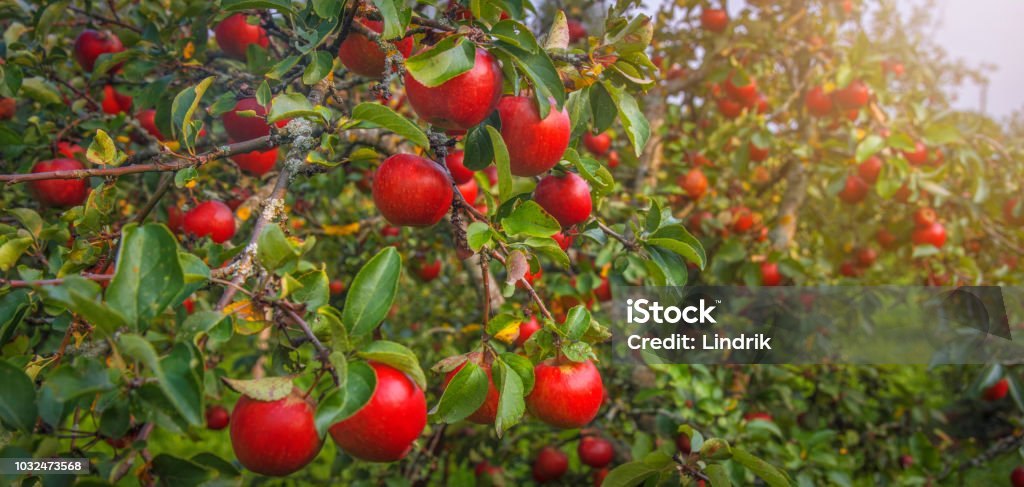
232, 234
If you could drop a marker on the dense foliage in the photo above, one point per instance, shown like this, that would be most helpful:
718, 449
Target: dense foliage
231, 230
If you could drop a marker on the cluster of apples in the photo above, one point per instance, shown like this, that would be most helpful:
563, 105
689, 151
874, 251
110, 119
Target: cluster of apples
738, 93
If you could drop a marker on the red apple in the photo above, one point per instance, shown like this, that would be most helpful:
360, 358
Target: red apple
564, 241
217, 418
275, 437
595, 451
603, 292
996, 391
818, 103
870, 169
529, 277
866, 256
613, 159
534, 145
1017, 477
256, 162
577, 30
934, 234
757, 154
412, 191
742, 219
714, 19
849, 269
460, 173
63, 193
918, 156
550, 465
461, 102
363, 56
729, 108
770, 275
599, 476
745, 94
337, 287
683, 444
855, 190
567, 198
886, 239
565, 394
235, 33
211, 218
469, 191
758, 415
597, 144
854, 96
1012, 214
147, 120
8, 107
488, 411
428, 271
385, 428
114, 102
924, 217
90, 44
526, 330
694, 183
241, 128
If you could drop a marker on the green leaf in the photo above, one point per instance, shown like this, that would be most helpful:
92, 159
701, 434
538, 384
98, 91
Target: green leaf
175, 374
291, 105
719, 477
185, 176
501, 161
941, 133
18, 401
372, 292
12, 250
177, 471
716, 449
274, 251
38, 89
466, 392
558, 35
479, 234
602, 107
577, 322
185, 104
529, 219
328, 9
771, 475
511, 405
868, 147
320, 65
901, 141
629, 475
265, 389
80, 295
522, 366
633, 121
547, 84
102, 150
446, 60
382, 116
396, 355
284, 6
148, 275
679, 240
358, 384
315, 291
549, 248
396, 17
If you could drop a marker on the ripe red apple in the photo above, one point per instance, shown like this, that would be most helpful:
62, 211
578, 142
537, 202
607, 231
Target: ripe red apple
818, 103
70, 151
906, 461
855, 190
918, 156
147, 120
996, 391
114, 102
189, 305
275, 437
866, 256
599, 476
337, 287
8, 107
485, 468
217, 417
428, 271
235, 33
886, 239
534, 145
714, 19
363, 56
603, 292
924, 217
1012, 214
488, 411
595, 451
550, 465
412, 191
745, 94
469, 191
854, 96
577, 30
63, 193
683, 444
460, 173
849, 269
461, 102
565, 394
241, 128
729, 108
90, 44
211, 218
870, 169
597, 144
742, 219
934, 234
256, 162
529, 277
757, 154
1017, 477
567, 198
384, 429
613, 159
526, 330
763, 416
564, 241
694, 183
770, 275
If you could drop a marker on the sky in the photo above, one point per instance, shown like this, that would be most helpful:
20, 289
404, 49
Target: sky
980, 31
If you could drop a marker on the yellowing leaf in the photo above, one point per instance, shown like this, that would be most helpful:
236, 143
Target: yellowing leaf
341, 230
243, 213
508, 334
189, 50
